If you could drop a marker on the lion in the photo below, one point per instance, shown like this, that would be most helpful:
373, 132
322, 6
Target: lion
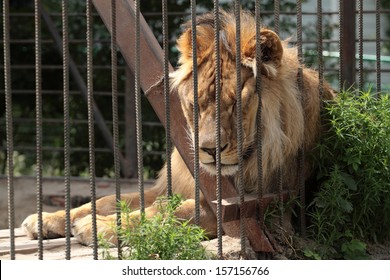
288, 123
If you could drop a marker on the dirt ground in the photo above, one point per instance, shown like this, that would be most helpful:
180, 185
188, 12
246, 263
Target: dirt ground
292, 247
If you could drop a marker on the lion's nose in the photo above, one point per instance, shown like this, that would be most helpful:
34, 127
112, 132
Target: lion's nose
213, 151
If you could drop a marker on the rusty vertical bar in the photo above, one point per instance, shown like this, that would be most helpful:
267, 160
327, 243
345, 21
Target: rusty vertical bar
259, 139
166, 97
240, 136
301, 153
9, 127
91, 123
320, 50
277, 16
360, 43
65, 65
378, 45
138, 112
38, 108
341, 42
196, 111
347, 43
218, 125
130, 169
115, 119
280, 169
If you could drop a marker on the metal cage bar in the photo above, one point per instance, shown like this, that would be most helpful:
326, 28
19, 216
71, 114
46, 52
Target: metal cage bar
280, 169
138, 110
91, 130
115, 118
166, 97
259, 138
240, 136
218, 125
196, 111
38, 110
9, 126
277, 16
360, 43
65, 62
378, 45
341, 42
320, 50
347, 46
301, 152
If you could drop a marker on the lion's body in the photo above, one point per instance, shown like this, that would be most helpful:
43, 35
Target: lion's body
290, 119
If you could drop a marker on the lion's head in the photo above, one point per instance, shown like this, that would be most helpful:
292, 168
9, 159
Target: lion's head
282, 112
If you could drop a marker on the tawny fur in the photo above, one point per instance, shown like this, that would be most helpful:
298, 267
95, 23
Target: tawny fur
287, 123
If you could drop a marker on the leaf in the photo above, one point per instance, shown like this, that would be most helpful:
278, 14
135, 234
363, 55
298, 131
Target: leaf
349, 181
354, 250
346, 205
319, 202
311, 255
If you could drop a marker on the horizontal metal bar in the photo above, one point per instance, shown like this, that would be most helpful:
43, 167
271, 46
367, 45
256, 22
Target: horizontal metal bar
107, 41
59, 67
50, 41
76, 121
271, 13
55, 121
27, 14
366, 57
331, 41
76, 149
60, 92
365, 70
56, 149
158, 14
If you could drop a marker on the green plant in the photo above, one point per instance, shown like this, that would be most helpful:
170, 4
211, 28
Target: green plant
308, 253
164, 236
354, 249
353, 168
274, 210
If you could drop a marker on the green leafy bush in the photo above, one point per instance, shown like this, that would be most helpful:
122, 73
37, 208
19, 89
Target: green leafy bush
163, 237
353, 159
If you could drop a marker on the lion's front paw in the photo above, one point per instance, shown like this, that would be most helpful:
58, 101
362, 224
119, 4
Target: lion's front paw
82, 229
52, 226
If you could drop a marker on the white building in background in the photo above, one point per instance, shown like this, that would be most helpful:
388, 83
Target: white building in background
369, 33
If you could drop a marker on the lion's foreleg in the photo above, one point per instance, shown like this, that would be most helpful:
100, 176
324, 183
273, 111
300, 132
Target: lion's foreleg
53, 224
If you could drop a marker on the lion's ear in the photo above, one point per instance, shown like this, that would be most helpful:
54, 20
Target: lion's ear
271, 53
204, 37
